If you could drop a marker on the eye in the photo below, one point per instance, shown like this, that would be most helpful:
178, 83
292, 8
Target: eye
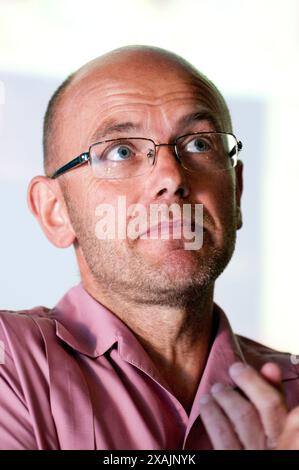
118, 153
197, 145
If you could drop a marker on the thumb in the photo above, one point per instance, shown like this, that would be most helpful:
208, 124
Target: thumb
272, 373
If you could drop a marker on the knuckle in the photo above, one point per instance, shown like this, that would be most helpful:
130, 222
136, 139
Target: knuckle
273, 401
246, 412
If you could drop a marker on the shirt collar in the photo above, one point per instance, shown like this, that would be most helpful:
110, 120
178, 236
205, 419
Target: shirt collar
225, 350
86, 325
92, 329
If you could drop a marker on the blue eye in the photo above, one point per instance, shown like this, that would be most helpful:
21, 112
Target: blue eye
197, 145
119, 153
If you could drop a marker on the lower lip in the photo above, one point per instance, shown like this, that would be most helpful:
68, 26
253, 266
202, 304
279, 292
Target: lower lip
169, 230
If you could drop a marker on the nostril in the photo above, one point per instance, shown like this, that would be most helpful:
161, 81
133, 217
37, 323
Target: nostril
181, 192
161, 192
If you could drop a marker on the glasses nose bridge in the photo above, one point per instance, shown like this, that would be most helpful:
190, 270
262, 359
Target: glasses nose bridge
170, 145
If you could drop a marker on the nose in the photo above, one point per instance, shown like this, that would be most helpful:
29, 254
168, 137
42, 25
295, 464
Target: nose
168, 180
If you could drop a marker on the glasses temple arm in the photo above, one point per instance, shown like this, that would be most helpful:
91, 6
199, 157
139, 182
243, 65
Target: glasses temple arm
239, 146
84, 157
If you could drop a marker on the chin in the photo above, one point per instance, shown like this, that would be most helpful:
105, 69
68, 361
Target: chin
179, 263
157, 249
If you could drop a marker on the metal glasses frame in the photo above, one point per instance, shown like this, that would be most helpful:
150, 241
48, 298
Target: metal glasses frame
85, 156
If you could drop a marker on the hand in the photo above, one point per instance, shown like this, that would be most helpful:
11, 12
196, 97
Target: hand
289, 439
252, 417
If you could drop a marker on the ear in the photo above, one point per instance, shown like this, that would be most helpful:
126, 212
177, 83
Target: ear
46, 202
239, 190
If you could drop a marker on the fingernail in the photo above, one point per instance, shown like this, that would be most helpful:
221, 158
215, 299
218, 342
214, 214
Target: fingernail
204, 399
218, 387
237, 368
271, 443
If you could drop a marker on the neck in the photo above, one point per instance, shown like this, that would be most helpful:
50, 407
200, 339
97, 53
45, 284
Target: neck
176, 338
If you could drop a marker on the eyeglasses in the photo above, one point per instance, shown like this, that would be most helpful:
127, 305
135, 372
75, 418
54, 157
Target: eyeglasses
134, 156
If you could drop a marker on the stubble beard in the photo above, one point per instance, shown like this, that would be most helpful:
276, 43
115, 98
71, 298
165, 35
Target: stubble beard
122, 270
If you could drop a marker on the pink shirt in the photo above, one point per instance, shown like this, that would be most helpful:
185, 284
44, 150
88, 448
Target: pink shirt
76, 377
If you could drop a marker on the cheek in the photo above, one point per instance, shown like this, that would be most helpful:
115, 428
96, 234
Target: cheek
110, 200
80, 200
117, 194
224, 191
217, 194
225, 204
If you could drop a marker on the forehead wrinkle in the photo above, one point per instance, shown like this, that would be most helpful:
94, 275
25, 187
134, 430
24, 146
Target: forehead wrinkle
116, 104
112, 91
118, 96
135, 98
113, 126
117, 88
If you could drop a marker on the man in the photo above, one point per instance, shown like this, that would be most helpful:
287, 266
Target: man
124, 358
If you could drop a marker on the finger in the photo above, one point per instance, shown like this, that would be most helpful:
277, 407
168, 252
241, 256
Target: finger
272, 373
218, 427
242, 415
289, 439
268, 400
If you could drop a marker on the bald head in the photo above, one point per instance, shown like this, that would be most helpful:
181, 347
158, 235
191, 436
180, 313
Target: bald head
123, 63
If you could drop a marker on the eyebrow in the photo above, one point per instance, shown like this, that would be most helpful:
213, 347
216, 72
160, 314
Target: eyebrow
198, 116
113, 127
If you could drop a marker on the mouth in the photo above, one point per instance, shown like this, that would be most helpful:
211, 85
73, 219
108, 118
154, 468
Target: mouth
172, 229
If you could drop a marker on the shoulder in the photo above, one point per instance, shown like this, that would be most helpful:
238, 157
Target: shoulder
21, 330
24, 380
16, 321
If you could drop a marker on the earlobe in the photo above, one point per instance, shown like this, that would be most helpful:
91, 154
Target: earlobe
46, 202
239, 218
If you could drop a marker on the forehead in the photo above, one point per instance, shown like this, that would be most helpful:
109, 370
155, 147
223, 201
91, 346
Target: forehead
154, 86
148, 97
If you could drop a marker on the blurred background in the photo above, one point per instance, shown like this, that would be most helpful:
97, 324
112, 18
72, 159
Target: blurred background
251, 52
